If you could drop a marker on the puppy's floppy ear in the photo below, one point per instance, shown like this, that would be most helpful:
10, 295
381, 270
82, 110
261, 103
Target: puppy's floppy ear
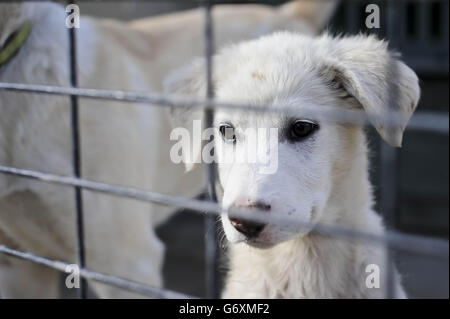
384, 86
188, 82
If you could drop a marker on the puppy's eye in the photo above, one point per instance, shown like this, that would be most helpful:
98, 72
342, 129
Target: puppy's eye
301, 129
227, 132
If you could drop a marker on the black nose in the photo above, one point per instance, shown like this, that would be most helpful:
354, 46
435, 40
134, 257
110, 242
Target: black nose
249, 229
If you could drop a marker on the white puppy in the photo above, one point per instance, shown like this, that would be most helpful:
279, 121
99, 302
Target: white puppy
126, 144
321, 174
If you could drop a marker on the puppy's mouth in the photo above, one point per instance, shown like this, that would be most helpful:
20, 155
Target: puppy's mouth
266, 236
250, 229
253, 233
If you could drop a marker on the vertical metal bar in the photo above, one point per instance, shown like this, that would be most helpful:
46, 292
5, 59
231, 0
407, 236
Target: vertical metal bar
389, 166
444, 25
389, 182
351, 14
76, 157
210, 225
423, 22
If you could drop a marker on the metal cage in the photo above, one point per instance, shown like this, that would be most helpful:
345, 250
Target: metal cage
424, 121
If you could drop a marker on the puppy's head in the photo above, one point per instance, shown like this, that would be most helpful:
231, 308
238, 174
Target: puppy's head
297, 174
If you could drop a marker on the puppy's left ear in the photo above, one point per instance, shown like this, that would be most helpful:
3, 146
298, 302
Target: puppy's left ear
385, 87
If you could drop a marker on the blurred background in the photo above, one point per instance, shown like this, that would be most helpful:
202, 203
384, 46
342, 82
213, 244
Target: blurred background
411, 187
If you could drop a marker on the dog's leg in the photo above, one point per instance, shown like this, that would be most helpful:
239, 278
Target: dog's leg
27, 224
120, 241
105, 291
140, 269
23, 279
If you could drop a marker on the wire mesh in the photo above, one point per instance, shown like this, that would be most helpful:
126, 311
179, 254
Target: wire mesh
437, 123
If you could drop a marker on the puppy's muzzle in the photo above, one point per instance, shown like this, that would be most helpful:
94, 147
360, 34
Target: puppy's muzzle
248, 228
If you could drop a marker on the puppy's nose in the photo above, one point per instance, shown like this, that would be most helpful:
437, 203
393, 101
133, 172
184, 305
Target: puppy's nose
248, 228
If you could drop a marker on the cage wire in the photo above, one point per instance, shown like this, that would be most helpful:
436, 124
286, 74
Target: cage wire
392, 239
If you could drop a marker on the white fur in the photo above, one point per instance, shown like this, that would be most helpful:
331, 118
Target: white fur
126, 144
321, 179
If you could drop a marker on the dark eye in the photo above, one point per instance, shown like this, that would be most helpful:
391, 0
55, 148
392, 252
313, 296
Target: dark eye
301, 129
227, 132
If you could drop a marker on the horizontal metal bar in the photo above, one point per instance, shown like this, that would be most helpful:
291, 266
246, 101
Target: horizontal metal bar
115, 281
439, 123
437, 248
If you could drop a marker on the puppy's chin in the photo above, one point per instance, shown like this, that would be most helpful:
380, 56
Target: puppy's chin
254, 243
260, 244
267, 241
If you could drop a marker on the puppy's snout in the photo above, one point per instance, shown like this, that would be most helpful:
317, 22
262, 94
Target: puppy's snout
248, 228
247, 203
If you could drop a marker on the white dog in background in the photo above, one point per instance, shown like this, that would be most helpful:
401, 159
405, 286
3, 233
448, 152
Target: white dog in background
322, 174
126, 144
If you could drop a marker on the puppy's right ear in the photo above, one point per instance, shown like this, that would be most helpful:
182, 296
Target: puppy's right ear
188, 82
384, 86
